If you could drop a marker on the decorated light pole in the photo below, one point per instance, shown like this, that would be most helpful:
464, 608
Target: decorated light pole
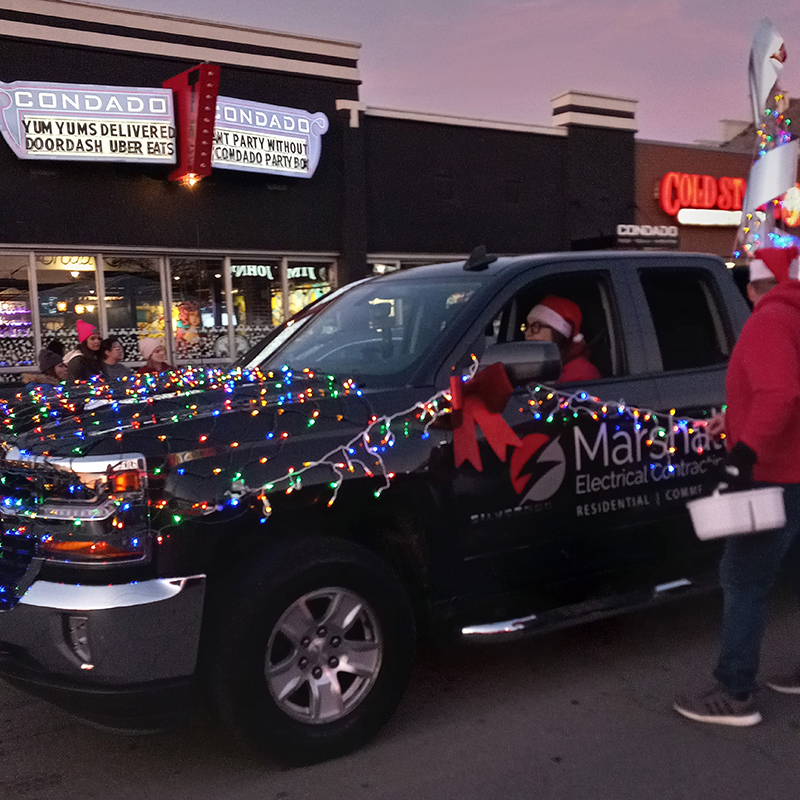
774, 168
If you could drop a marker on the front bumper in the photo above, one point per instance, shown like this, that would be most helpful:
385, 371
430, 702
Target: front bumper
122, 655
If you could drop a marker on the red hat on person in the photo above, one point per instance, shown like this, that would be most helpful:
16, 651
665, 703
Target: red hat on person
779, 263
85, 330
560, 314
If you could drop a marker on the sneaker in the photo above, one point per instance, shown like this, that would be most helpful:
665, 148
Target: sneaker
717, 706
786, 684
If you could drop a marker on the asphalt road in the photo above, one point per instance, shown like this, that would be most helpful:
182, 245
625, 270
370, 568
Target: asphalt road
581, 713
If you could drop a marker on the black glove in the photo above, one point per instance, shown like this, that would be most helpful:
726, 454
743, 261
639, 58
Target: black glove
737, 469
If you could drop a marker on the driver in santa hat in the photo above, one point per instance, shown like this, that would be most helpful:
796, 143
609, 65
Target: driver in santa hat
556, 319
762, 425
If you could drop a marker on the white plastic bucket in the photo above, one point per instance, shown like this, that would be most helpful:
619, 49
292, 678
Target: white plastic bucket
734, 513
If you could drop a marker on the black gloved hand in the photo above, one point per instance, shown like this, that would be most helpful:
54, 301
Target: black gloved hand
737, 469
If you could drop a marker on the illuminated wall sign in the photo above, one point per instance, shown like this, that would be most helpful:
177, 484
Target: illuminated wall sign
78, 122
256, 137
679, 190
709, 216
661, 236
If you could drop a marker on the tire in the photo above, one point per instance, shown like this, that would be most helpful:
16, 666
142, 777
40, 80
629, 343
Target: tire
310, 652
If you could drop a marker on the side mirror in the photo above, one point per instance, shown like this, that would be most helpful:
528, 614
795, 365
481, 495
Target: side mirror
526, 362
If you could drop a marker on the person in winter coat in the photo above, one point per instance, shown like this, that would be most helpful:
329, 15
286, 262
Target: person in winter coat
556, 319
155, 354
763, 441
112, 354
84, 362
52, 370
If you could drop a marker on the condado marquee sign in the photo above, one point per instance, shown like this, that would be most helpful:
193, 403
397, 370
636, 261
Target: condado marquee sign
81, 122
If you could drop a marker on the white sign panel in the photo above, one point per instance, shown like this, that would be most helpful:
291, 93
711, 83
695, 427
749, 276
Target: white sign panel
78, 122
257, 137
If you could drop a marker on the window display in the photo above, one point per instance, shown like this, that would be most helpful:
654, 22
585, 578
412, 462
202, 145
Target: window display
199, 315
179, 300
67, 292
307, 283
17, 346
257, 300
134, 304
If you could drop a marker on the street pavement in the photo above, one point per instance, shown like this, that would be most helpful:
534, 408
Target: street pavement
581, 714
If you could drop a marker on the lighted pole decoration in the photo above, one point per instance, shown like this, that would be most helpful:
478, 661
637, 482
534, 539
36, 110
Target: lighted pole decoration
774, 169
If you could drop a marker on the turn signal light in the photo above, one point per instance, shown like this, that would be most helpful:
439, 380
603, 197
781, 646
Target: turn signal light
122, 482
87, 550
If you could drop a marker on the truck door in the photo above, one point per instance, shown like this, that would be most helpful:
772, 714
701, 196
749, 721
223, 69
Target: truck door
560, 517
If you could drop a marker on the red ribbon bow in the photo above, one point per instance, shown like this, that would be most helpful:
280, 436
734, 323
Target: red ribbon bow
480, 401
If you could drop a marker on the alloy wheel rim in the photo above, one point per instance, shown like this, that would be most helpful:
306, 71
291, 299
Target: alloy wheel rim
323, 655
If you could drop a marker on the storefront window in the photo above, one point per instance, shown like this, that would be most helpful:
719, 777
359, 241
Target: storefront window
134, 305
257, 300
17, 348
307, 283
67, 292
199, 314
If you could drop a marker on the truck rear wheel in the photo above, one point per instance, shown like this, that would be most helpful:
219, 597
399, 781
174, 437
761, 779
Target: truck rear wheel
311, 652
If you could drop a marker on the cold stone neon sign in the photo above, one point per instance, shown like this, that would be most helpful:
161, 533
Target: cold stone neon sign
679, 190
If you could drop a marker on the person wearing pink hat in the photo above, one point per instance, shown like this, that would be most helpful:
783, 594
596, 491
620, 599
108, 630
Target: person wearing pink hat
155, 355
763, 441
556, 319
85, 364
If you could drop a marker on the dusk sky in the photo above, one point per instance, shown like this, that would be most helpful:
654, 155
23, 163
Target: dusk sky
685, 62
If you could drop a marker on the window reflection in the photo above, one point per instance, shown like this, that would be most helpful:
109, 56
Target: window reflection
67, 292
199, 316
257, 300
134, 306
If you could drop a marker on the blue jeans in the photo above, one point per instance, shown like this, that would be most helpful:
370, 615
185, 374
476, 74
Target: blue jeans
749, 567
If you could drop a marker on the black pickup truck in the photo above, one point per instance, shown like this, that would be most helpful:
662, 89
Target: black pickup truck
394, 462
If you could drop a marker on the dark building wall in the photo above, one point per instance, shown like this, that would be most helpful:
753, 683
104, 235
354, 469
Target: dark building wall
134, 204
437, 188
600, 182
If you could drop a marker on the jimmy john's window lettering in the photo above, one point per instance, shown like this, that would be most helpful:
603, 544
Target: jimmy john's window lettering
257, 137
77, 122
271, 272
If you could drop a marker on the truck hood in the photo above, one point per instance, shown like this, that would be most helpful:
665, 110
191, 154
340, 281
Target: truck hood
207, 436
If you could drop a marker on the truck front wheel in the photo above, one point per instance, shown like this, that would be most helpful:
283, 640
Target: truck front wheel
312, 649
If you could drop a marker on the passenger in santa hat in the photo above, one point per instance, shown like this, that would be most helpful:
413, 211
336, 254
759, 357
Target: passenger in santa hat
84, 362
556, 319
762, 425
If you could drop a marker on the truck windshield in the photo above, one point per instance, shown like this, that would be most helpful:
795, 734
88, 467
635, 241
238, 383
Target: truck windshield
374, 330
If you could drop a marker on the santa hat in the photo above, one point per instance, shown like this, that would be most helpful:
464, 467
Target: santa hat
148, 346
560, 314
85, 330
779, 263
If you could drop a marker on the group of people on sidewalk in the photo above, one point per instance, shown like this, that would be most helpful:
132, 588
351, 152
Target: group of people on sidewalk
93, 357
762, 430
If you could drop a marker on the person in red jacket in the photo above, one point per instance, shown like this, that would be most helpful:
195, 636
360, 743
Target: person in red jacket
762, 425
556, 319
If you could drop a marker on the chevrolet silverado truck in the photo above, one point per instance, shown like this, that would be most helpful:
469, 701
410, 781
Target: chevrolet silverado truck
394, 462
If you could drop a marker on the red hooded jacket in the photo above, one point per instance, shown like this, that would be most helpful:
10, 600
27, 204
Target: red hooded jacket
763, 386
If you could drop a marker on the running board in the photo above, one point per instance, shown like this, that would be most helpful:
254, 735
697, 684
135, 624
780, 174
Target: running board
583, 612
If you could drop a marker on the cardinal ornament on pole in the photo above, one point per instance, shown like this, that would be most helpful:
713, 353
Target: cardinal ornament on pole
774, 169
